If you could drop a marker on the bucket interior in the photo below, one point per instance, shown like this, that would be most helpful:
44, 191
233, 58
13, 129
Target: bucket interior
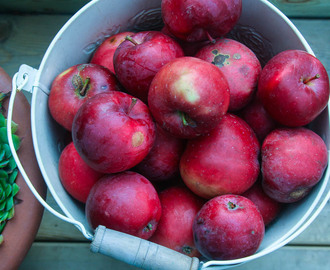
261, 27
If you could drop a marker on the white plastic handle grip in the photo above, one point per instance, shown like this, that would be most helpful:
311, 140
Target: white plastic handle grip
139, 252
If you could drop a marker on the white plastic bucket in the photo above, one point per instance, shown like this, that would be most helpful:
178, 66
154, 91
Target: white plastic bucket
262, 27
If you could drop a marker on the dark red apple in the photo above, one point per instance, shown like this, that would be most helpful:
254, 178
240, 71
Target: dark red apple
103, 55
126, 202
72, 87
268, 208
258, 119
293, 161
188, 97
189, 48
294, 87
76, 176
138, 59
113, 132
196, 20
228, 227
179, 208
162, 162
222, 161
240, 66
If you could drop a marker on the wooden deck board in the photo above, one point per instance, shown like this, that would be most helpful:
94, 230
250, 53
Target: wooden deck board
54, 256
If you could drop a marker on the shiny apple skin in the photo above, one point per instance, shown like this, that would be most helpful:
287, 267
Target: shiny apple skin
126, 202
103, 55
179, 208
293, 162
268, 207
240, 66
137, 64
111, 135
258, 119
191, 88
162, 162
283, 92
65, 99
76, 176
228, 227
191, 20
226, 160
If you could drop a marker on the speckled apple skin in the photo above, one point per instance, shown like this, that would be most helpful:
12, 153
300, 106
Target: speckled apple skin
293, 161
228, 227
194, 20
240, 66
222, 161
126, 202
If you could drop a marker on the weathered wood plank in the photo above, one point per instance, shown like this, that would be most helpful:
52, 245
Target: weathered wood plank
42, 6
303, 8
24, 39
292, 8
54, 256
54, 229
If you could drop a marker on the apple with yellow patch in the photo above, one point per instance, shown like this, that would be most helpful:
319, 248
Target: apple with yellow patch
113, 132
188, 97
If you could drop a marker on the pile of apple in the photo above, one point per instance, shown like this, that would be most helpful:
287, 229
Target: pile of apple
180, 136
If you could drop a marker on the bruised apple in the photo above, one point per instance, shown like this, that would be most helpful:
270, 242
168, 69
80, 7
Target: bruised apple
126, 202
228, 227
293, 161
72, 87
188, 97
113, 132
222, 161
179, 208
240, 66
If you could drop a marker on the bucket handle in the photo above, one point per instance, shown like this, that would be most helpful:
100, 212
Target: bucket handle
15, 88
121, 246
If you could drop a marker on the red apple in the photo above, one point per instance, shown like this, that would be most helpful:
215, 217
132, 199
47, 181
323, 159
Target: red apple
162, 162
240, 66
103, 55
196, 20
268, 208
76, 176
72, 87
188, 97
138, 59
126, 202
258, 119
222, 161
113, 132
293, 161
294, 87
189, 48
179, 208
228, 227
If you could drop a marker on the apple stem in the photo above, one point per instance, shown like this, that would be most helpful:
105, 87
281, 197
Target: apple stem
186, 120
232, 205
84, 88
311, 79
134, 100
129, 38
211, 39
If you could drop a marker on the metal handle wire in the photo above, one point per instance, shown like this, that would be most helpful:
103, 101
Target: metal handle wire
16, 88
